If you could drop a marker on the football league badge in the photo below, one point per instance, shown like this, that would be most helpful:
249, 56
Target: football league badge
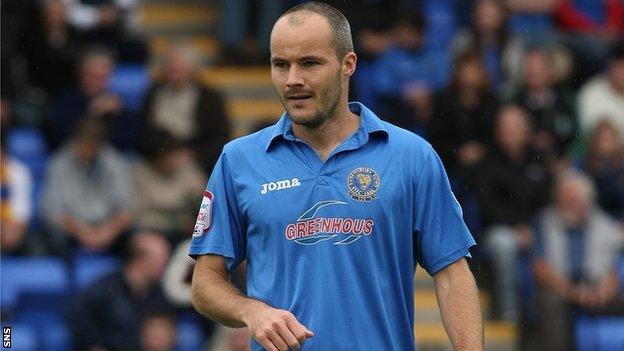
363, 183
204, 217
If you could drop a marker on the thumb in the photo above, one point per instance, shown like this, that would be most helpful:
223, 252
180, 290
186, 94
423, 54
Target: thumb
309, 333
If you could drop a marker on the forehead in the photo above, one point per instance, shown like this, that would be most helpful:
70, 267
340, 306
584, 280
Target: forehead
301, 34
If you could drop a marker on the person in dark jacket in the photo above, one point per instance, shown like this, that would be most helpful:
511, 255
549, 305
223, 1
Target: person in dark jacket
109, 314
514, 185
191, 112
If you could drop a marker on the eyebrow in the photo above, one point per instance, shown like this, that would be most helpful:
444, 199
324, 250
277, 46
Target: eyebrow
304, 58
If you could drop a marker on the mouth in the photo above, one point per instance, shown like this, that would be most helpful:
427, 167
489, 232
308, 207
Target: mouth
298, 98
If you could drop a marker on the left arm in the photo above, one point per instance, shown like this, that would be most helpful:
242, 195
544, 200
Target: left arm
458, 299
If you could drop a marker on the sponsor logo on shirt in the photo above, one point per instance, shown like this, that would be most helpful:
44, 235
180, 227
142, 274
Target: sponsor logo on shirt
310, 230
204, 217
363, 184
279, 185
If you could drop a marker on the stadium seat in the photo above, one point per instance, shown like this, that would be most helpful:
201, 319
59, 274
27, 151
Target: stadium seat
23, 338
88, 267
189, 336
131, 82
32, 275
56, 337
599, 333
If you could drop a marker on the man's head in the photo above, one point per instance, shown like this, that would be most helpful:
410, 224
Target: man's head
148, 252
538, 73
54, 14
409, 30
95, 68
573, 197
180, 66
89, 134
513, 132
469, 73
312, 59
158, 332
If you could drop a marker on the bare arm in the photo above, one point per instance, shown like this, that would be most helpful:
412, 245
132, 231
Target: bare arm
215, 297
458, 299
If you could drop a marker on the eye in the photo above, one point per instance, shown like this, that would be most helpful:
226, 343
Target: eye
309, 63
280, 65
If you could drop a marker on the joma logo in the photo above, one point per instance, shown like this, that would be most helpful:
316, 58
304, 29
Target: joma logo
279, 185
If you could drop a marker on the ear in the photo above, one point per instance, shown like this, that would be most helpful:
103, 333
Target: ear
349, 63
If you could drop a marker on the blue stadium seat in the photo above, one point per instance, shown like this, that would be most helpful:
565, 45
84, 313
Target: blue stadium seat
23, 337
189, 335
56, 337
599, 333
32, 275
131, 82
88, 267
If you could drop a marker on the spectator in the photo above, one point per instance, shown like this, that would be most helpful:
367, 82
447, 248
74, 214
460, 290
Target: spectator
88, 193
111, 23
550, 107
15, 203
604, 163
108, 315
514, 185
51, 48
188, 110
158, 332
576, 251
603, 96
168, 187
461, 127
91, 98
409, 73
488, 35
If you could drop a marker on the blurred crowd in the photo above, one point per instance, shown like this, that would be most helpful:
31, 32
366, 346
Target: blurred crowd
522, 99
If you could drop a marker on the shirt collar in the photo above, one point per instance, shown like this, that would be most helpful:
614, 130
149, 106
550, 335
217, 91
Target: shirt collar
370, 125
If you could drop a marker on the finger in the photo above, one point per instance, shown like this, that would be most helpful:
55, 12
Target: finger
299, 330
289, 336
277, 340
266, 342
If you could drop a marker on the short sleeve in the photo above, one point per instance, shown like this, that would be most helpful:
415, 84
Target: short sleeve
441, 236
219, 228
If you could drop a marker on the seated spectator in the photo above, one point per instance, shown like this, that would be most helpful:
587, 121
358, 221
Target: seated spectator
549, 106
111, 23
168, 187
230, 339
15, 203
51, 48
188, 110
409, 73
603, 96
158, 332
488, 35
461, 127
108, 315
514, 185
92, 99
88, 199
575, 260
604, 163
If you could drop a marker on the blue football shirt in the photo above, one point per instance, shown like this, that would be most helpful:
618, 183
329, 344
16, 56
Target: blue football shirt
335, 242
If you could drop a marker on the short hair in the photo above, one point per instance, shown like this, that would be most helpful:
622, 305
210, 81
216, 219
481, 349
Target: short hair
97, 52
581, 182
338, 23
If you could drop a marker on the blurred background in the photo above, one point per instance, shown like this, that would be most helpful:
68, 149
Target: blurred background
114, 111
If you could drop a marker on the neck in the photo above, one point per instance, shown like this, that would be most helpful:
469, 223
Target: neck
135, 279
331, 133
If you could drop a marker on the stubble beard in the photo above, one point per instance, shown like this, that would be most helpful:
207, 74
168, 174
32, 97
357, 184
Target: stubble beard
321, 117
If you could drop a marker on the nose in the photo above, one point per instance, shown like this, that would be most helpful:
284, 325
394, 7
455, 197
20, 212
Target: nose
294, 77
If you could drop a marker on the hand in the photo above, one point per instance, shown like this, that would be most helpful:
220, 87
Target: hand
470, 153
524, 234
108, 104
276, 329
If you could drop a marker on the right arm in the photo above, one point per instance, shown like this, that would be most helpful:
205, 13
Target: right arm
215, 297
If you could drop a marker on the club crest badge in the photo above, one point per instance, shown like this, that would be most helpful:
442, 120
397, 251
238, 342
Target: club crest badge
363, 183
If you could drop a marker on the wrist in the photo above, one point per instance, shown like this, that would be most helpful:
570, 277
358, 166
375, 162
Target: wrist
249, 310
